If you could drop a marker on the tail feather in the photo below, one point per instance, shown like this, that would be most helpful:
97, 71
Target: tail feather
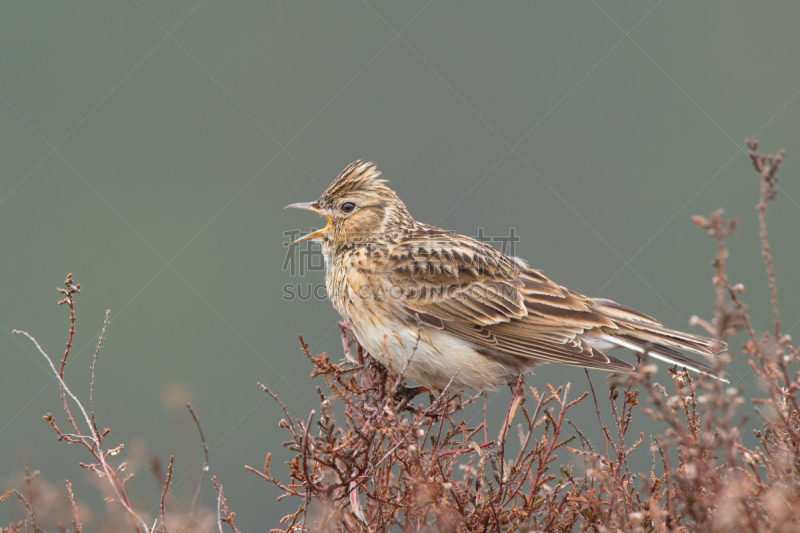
676, 339
664, 353
641, 334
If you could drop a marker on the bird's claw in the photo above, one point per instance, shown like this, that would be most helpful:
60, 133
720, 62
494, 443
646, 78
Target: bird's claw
403, 397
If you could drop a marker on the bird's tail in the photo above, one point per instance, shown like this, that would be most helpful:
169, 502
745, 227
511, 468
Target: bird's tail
643, 334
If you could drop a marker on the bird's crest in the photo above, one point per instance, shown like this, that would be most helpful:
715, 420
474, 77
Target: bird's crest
358, 176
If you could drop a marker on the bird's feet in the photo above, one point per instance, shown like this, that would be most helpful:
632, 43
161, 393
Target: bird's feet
404, 395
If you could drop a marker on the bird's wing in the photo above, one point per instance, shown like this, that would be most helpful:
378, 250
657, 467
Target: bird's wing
473, 291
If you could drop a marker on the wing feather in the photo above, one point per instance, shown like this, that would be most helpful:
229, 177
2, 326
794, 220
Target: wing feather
470, 290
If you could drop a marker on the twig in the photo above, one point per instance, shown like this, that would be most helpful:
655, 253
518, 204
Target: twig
346, 343
37, 527
205, 457
410, 357
164, 492
767, 167
76, 522
597, 411
223, 513
94, 363
485, 425
68, 292
219, 506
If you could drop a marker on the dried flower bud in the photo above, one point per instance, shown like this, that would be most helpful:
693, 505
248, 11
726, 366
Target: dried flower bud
649, 370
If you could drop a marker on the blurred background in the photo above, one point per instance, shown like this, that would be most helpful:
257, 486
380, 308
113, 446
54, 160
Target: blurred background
149, 148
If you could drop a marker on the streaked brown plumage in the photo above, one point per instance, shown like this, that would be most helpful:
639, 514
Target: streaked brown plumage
473, 312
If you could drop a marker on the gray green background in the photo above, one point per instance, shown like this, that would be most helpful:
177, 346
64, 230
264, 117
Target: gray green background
149, 148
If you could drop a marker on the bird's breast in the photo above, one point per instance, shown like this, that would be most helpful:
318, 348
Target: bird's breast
357, 294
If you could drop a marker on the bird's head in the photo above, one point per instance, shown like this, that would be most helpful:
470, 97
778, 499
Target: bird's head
359, 207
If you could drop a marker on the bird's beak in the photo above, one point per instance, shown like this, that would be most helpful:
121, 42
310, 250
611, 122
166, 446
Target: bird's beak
310, 206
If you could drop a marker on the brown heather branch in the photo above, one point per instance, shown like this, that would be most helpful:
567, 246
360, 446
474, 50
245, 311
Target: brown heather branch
76, 521
224, 514
91, 437
92, 442
384, 434
767, 168
94, 364
35, 526
164, 493
597, 411
70, 289
204, 470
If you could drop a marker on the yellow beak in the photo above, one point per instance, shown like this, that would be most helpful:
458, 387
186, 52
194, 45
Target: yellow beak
310, 206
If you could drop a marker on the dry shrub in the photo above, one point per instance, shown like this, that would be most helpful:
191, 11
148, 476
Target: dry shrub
108, 471
371, 459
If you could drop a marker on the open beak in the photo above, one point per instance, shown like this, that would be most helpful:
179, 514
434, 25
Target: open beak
310, 206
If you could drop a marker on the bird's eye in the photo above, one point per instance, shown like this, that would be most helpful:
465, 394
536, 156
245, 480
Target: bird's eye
348, 207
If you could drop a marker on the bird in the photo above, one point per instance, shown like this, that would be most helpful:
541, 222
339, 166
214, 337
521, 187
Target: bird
452, 311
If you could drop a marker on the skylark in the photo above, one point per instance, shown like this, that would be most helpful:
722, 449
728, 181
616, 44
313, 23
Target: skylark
459, 309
